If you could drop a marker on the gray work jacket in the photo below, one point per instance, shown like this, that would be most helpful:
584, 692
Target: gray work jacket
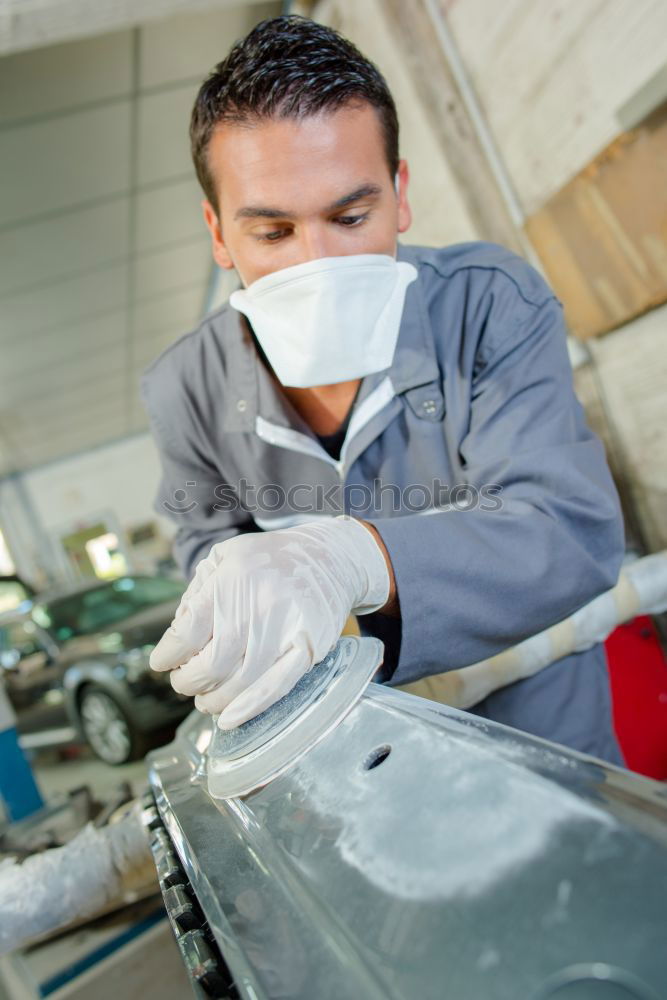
470, 455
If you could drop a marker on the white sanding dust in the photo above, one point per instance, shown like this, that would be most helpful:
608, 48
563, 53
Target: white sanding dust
441, 816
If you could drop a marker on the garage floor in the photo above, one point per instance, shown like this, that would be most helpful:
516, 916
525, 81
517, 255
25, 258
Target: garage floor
56, 776
75, 967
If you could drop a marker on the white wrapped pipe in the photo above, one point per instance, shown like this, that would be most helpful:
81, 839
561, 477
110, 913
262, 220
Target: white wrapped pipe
641, 589
57, 887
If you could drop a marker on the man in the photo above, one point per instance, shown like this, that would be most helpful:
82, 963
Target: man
426, 392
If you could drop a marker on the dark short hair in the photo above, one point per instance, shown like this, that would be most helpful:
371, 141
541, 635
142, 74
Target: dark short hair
287, 67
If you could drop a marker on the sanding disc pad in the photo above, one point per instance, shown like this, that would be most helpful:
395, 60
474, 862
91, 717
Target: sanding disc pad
243, 759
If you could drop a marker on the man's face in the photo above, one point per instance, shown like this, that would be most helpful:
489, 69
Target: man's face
293, 191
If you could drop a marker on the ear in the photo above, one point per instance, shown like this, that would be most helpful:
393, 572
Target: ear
218, 248
404, 213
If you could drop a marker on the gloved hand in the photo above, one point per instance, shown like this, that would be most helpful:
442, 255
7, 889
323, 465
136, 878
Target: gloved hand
262, 609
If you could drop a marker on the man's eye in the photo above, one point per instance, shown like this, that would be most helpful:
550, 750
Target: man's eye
272, 237
351, 220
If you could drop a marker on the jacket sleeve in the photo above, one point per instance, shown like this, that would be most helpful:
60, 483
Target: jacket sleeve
191, 492
472, 582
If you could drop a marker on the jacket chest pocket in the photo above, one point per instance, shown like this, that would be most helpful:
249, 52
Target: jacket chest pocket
427, 402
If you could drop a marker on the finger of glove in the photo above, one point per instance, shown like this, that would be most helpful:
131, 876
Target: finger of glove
203, 571
215, 701
273, 685
205, 671
261, 649
205, 567
189, 632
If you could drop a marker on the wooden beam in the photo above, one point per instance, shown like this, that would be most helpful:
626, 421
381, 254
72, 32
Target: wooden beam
436, 85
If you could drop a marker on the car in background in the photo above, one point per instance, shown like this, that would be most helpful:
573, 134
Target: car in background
80, 659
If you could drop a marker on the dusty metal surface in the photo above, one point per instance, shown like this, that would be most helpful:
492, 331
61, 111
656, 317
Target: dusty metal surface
418, 852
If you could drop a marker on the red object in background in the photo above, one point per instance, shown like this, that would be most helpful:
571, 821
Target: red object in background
638, 671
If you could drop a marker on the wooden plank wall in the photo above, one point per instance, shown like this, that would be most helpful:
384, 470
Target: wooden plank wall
603, 238
551, 76
623, 392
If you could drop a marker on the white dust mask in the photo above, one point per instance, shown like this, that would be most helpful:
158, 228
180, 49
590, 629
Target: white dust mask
328, 320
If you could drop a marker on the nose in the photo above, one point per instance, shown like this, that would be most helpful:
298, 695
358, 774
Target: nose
317, 241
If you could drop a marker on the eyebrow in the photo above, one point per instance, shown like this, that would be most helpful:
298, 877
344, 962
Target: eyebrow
262, 212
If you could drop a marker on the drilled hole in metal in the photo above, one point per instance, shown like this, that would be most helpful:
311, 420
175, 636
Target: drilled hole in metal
377, 757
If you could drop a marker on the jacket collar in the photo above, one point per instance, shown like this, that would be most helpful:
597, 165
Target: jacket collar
414, 361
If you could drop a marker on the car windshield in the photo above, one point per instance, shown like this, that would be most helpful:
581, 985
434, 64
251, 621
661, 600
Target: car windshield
100, 607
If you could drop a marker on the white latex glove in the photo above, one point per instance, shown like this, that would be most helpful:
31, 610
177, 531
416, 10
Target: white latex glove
262, 609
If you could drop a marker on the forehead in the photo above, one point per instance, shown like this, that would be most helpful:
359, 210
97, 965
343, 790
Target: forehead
297, 162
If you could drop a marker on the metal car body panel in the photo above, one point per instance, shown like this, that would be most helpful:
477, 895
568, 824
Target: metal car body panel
417, 851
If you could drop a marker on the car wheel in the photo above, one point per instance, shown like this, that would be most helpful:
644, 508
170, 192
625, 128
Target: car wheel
107, 729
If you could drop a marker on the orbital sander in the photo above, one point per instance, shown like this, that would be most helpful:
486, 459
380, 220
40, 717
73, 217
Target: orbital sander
246, 758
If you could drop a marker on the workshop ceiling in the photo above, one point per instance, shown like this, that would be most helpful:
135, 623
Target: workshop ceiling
104, 258
29, 24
